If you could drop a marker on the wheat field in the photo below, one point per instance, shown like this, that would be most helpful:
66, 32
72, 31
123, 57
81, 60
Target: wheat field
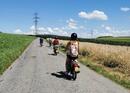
114, 57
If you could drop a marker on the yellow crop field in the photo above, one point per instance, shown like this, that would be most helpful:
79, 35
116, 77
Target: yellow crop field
111, 56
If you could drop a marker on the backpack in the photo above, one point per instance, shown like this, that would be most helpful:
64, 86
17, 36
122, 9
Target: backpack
73, 49
56, 42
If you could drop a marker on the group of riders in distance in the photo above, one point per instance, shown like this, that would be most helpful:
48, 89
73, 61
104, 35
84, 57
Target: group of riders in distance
72, 52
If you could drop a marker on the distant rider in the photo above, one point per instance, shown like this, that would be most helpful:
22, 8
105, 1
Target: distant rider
56, 43
50, 42
41, 41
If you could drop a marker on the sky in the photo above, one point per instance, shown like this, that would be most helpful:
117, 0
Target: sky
88, 18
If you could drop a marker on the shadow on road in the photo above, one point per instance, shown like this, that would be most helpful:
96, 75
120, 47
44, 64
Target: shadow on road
52, 54
48, 46
40, 45
61, 74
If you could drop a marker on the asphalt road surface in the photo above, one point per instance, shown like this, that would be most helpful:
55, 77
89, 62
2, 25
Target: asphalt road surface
37, 70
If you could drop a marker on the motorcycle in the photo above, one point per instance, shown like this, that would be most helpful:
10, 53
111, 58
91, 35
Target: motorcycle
55, 49
74, 69
41, 44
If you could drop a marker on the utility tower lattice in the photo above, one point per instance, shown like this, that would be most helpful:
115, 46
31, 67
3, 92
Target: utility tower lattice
92, 32
36, 23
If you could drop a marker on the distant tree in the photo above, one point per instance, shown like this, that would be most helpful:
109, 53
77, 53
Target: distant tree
105, 37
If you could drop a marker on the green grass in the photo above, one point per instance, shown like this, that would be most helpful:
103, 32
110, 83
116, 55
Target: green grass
118, 39
112, 41
124, 81
11, 46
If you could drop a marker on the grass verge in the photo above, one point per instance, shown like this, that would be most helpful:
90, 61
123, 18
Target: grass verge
11, 47
114, 76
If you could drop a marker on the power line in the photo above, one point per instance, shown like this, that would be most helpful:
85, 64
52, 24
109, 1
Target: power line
36, 23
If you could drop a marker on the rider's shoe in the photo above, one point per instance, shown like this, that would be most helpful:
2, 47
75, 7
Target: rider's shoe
66, 73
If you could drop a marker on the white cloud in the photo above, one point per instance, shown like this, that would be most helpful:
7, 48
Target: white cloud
18, 31
96, 14
99, 32
59, 31
41, 28
104, 30
72, 24
49, 30
32, 28
29, 33
125, 9
121, 32
82, 27
103, 26
102, 33
111, 31
107, 28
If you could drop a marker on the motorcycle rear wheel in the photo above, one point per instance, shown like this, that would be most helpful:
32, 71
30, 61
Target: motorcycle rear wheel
74, 75
55, 52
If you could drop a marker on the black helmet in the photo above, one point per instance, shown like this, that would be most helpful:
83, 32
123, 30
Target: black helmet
73, 36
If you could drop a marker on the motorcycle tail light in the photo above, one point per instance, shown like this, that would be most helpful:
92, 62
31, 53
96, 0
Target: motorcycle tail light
75, 65
76, 69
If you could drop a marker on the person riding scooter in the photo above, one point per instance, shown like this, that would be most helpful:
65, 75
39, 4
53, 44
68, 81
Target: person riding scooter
56, 45
50, 42
41, 41
72, 51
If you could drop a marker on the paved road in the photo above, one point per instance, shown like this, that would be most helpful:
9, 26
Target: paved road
36, 71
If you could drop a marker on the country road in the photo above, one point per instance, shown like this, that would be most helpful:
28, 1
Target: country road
37, 71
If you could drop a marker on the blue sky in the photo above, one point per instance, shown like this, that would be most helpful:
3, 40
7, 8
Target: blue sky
62, 17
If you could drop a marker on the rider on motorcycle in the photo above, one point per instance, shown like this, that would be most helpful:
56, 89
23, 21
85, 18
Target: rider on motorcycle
41, 41
50, 42
72, 50
55, 43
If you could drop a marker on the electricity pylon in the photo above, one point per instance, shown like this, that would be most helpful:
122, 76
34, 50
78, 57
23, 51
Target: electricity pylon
36, 23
